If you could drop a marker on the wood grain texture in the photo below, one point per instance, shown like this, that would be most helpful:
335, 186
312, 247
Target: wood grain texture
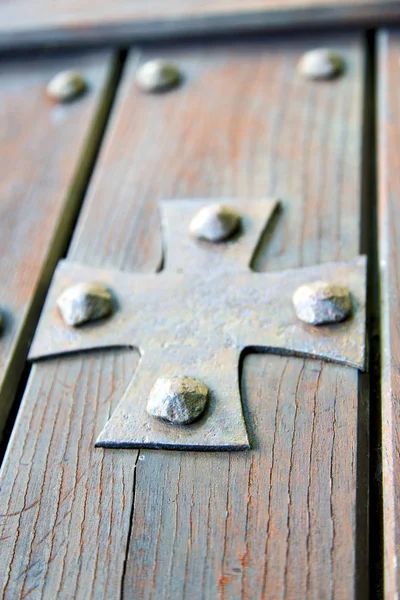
45, 153
389, 257
283, 520
41, 23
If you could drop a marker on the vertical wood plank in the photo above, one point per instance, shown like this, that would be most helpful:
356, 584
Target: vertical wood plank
389, 255
46, 152
281, 520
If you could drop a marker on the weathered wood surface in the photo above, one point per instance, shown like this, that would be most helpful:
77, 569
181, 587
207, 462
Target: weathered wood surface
27, 23
45, 155
389, 257
286, 520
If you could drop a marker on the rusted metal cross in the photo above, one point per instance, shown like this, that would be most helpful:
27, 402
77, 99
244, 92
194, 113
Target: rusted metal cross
195, 318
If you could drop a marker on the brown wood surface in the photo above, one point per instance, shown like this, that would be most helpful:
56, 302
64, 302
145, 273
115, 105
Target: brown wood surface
389, 257
26, 23
285, 520
45, 153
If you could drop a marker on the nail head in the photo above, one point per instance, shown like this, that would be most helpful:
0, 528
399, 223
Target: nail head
178, 400
157, 76
85, 302
321, 63
321, 303
215, 223
66, 86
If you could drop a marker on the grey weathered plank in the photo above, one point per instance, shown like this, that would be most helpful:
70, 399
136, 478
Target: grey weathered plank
46, 151
389, 254
280, 521
38, 23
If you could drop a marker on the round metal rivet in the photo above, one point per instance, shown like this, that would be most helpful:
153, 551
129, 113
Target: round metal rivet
215, 223
66, 86
85, 302
321, 303
157, 76
321, 64
178, 400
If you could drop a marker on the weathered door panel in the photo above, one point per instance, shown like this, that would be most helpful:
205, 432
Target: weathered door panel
288, 518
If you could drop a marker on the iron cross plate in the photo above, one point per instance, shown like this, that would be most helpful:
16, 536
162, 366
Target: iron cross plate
196, 317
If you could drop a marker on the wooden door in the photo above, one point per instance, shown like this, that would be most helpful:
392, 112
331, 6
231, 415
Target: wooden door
297, 515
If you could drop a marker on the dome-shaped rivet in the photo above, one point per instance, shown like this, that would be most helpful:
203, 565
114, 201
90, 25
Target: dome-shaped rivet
85, 302
157, 76
66, 86
321, 303
321, 64
178, 400
215, 223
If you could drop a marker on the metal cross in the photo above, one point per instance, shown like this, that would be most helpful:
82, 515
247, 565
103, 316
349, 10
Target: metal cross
195, 318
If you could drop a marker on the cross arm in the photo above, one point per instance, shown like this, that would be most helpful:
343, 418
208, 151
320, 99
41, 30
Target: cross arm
221, 427
252, 310
184, 254
266, 319
122, 329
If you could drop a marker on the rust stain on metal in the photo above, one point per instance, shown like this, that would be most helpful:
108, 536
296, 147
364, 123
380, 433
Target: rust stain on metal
196, 317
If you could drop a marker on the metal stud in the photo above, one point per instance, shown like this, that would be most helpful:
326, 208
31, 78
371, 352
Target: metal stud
321, 303
215, 223
178, 400
85, 302
66, 86
321, 63
157, 76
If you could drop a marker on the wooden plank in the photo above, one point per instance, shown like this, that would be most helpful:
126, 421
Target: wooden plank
389, 256
41, 23
46, 152
283, 520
